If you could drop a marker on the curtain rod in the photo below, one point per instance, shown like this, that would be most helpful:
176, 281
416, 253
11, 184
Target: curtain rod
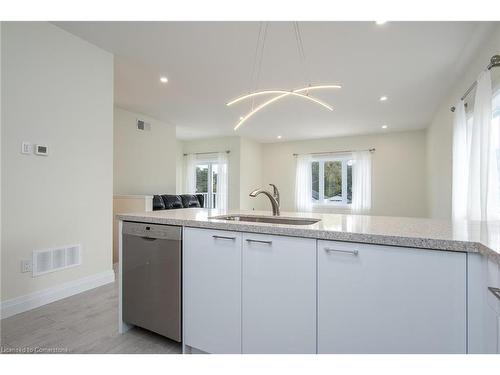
494, 62
335, 152
205, 153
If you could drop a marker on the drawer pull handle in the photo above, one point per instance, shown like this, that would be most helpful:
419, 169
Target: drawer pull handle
495, 291
260, 241
224, 238
331, 250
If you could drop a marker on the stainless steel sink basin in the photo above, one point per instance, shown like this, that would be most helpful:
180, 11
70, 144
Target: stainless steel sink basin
268, 219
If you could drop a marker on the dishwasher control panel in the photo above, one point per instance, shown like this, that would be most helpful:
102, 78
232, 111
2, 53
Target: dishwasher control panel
166, 232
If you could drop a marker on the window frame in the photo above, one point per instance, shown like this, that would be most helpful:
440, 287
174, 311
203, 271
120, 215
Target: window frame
344, 159
209, 201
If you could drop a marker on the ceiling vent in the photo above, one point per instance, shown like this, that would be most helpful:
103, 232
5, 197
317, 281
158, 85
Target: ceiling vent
143, 125
51, 260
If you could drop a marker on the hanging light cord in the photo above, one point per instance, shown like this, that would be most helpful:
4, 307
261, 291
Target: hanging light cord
280, 94
259, 56
302, 54
252, 76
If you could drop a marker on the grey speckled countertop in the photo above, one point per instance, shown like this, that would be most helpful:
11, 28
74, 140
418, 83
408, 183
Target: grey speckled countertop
464, 236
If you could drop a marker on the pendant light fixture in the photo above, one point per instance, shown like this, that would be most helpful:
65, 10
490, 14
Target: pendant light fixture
279, 94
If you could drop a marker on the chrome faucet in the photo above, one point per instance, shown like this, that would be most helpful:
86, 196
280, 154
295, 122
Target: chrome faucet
274, 198
276, 193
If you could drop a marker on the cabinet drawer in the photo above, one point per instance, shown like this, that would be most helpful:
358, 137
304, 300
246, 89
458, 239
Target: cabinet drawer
384, 299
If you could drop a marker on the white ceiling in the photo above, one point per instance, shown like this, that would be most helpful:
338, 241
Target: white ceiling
208, 63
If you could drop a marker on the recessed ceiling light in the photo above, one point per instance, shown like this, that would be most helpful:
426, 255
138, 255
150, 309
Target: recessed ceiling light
279, 137
380, 22
163, 79
384, 126
383, 98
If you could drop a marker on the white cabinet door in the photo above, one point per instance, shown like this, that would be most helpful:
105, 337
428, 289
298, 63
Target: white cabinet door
390, 300
483, 306
212, 290
492, 326
279, 294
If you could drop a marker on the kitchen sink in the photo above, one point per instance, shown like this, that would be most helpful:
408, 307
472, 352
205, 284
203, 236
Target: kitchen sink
268, 219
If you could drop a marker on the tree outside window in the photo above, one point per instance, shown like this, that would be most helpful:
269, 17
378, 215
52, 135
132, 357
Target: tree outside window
332, 181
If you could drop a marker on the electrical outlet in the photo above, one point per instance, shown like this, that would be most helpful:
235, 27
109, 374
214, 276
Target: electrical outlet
26, 266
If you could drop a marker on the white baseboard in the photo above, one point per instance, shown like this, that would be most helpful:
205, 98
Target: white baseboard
33, 300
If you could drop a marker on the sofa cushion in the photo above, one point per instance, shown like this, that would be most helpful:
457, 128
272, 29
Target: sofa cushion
201, 199
158, 203
172, 201
190, 201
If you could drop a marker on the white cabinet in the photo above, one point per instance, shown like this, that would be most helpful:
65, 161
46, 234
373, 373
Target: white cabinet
483, 305
279, 294
212, 290
383, 299
255, 293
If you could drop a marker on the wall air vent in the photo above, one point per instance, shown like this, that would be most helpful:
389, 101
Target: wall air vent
143, 125
51, 260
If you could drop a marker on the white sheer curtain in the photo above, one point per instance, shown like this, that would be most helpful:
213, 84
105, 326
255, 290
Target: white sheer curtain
478, 183
303, 183
190, 173
221, 197
361, 181
460, 162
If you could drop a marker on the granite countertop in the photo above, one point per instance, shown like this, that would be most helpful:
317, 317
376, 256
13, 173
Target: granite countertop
464, 236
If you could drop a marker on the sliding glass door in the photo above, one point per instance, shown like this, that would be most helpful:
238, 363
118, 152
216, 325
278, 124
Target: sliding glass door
206, 182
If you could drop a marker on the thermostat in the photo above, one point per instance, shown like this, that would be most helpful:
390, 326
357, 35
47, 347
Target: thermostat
41, 150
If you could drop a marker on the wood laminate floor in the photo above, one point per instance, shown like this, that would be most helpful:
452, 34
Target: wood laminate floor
85, 323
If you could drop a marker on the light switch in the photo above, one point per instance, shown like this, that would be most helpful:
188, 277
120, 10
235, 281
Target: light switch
26, 148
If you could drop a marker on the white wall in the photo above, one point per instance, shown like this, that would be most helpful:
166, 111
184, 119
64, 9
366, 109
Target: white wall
399, 169
215, 145
57, 90
440, 131
398, 176
144, 161
251, 175
179, 168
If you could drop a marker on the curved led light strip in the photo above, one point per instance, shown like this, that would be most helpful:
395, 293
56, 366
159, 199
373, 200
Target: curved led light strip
285, 94
257, 109
266, 92
291, 92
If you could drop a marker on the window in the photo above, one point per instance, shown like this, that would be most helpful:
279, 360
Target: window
206, 182
332, 181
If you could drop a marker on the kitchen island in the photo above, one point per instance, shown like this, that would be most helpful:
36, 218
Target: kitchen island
346, 284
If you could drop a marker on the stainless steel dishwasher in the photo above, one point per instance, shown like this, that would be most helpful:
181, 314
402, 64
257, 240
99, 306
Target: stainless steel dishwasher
151, 264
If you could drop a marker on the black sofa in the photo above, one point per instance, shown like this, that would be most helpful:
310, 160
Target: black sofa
171, 202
